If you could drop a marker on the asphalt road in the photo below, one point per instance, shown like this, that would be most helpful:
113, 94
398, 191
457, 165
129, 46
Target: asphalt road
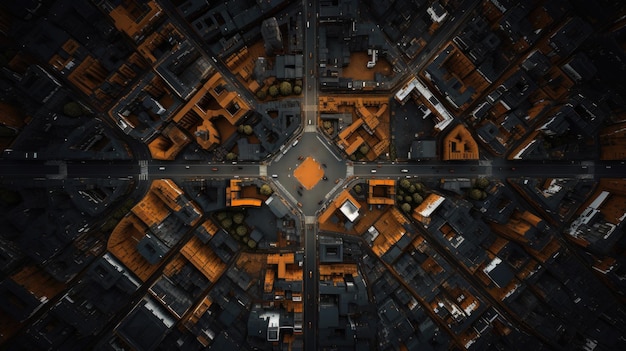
311, 146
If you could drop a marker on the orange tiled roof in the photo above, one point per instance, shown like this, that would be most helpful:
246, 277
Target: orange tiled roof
460, 145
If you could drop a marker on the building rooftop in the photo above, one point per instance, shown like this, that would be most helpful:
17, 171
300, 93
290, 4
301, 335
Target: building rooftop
145, 326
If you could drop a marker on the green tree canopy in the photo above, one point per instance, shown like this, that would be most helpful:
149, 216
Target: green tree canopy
238, 217
475, 194
408, 198
481, 182
261, 94
251, 244
231, 156
405, 184
273, 91
285, 88
406, 207
327, 124
221, 215
419, 187
358, 189
364, 149
417, 198
227, 223
265, 190
297, 90
241, 230
247, 129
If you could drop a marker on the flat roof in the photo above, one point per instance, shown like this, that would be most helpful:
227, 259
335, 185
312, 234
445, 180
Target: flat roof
349, 210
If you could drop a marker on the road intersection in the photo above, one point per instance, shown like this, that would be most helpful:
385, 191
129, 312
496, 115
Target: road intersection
310, 143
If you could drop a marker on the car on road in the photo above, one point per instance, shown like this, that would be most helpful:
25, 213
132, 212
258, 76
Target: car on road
373, 171
404, 170
325, 178
186, 167
295, 142
274, 175
161, 168
214, 169
310, 274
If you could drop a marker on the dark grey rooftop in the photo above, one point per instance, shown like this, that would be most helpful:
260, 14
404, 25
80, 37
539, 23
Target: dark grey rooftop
449, 87
145, 326
152, 249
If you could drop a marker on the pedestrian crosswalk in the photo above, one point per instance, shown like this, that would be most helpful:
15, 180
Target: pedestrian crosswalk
143, 169
349, 171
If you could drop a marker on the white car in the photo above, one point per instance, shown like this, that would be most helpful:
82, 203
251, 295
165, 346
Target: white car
373, 171
404, 170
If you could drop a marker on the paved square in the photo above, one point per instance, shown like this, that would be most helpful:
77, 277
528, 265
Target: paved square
309, 173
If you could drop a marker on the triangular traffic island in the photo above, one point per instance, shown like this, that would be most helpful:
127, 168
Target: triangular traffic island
308, 173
